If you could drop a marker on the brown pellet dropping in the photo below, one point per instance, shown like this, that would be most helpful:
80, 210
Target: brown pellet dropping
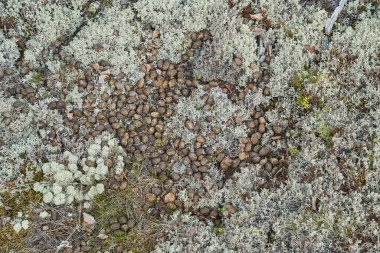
155, 114
248, 147
256, 159
159, 128
256, 148
274, 161
189, 125
275, 138
238, 61
268, 167
125, 138
170, 152
90, 163
255, 138
116, 125
266, 91
52, 105
203, 169
8, 71
243, 156
226, 163
169, 197
175, 176
264, 151
261, 128
201, 139
193, 156
262, 120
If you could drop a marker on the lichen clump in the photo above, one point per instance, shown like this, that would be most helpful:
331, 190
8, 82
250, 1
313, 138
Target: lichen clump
78, 180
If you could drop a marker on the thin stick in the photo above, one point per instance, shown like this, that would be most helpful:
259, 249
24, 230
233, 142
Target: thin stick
330, 22
65, 243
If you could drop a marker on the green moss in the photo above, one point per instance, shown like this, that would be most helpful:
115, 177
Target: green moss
11, 241
271, 236
122, 203
136, 166
128, 201
197, 77
213, 159
134, 240
37, 78
219, 231
291, 225
14, 202
18, 201
118, 203
159, 142
303, 101
301, 79
107, 3
327, 134
117, 237
38, 175
297, 81
293, 150
371, 159
305, 98
291, 34
183, 44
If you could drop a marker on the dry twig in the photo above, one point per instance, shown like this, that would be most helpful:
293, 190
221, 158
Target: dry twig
330, 22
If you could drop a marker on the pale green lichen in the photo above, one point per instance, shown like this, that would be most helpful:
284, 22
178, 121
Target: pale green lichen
221, 112
8, 51
37, 22
176, 19
114, 37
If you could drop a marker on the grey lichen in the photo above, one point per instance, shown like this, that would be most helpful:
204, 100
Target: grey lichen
231, 36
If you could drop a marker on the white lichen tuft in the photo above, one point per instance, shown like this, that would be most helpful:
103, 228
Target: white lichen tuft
42, 22
114, 37
73, 180
176, 19
8, 52
223, 113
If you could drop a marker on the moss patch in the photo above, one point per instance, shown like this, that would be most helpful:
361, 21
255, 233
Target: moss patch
14, 242
18, 201
127, 201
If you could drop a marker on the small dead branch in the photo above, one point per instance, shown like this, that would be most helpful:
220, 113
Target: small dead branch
269, 51
261, 51
330, 22
311, 49
314, 203
66, 243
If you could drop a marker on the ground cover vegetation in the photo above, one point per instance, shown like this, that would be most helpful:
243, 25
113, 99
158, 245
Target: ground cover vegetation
189, 126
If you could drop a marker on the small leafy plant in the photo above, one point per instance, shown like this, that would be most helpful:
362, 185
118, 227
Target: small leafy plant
327, 134
219, 231
293, 150
306, 85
